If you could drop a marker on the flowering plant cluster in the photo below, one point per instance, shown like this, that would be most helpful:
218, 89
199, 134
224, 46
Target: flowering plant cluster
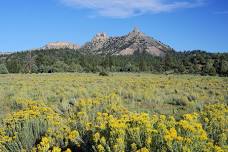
135, 114
37, 127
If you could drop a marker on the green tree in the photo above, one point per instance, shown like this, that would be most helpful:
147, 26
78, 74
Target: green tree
142, 64
181, 68
224, 68
3, 69
34, 69
209, 68
13, 66
130, 68
60, 66
75, 68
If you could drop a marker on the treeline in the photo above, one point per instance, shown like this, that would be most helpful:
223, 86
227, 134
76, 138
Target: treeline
66, 60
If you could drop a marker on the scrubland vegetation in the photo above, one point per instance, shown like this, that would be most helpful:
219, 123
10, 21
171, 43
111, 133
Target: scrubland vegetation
119, 112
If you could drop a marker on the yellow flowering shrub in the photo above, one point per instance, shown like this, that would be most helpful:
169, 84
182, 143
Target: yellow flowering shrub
22, 129
215, 122
44, 145
110, 131
86, 113
56, 149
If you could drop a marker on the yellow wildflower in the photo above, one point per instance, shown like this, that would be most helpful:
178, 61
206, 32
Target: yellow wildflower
73, 135
133, 147
103, 140
96, 137
68, 150
56, 149
100, 148
143, 150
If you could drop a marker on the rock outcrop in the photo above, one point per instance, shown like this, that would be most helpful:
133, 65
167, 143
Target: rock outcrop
133, 42
61, 45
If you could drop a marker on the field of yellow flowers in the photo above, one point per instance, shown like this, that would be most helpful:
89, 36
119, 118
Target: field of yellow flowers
118, 113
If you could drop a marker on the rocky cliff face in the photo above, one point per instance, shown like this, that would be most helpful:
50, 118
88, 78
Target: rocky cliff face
97, 43
5, 53
61, 45
133, 42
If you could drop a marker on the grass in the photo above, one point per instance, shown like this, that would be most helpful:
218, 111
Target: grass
172, 94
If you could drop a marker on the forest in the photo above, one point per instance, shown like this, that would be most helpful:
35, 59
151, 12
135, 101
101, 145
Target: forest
66, 60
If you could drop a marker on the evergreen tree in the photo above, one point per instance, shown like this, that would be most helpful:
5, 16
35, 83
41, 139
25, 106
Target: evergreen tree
3, 69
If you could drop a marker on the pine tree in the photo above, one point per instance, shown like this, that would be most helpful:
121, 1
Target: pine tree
3, 69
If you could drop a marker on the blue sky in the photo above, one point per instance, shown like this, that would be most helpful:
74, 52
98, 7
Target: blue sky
182, 24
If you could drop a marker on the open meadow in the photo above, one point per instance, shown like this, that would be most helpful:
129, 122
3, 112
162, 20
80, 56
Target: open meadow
119, 112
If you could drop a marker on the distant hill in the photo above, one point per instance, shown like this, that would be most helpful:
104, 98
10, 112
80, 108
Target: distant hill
61, 45
133, 42
5, 53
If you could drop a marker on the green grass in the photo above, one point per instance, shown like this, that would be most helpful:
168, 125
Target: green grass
164, 94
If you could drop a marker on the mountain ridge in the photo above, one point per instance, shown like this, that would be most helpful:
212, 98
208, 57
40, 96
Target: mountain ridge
102, 44
134, 42
60, 45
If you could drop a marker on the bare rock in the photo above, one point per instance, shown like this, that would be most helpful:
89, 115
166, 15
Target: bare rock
134, 42
61, 45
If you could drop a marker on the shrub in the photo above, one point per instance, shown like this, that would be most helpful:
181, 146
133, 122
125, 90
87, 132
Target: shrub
215, 121
103, 74
36, 123
183, 101
104, 125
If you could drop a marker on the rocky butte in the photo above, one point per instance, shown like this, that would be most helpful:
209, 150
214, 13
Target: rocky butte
134, 42
61, 45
